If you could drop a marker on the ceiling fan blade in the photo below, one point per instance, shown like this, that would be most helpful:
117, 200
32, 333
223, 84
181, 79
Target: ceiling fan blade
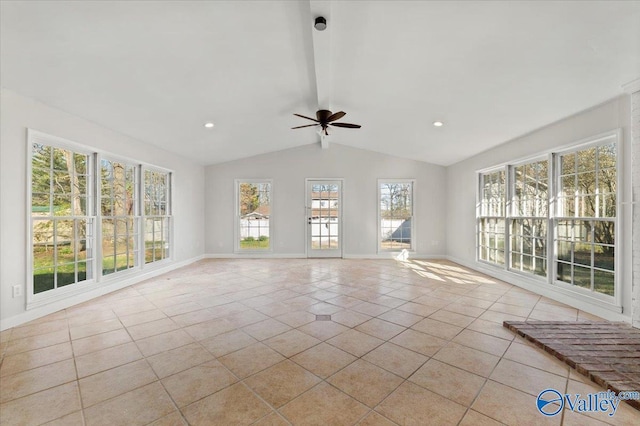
347, 125
336, 116
308, 118
307, 125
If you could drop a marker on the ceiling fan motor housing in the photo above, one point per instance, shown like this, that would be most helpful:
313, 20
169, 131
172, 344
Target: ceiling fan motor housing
322, 115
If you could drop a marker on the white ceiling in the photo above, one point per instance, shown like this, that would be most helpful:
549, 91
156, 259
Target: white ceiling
157, 71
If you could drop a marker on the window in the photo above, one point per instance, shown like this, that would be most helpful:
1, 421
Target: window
86, 216
156, 215
120, 221
491, 220
61, 217
396, 214
581, 225
253, 215
585, 224
529, 217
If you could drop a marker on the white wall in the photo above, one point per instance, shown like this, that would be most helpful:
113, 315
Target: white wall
17, 113
204, 197
360, 170
461, 181
635, 159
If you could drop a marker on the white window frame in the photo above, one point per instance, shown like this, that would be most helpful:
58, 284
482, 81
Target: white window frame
510, 216
613, 303
42, 298
94, 195
480, 215
612, 137
168, 215
236, 233
413, 246
137, 215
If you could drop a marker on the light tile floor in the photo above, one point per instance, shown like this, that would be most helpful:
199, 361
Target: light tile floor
225, 342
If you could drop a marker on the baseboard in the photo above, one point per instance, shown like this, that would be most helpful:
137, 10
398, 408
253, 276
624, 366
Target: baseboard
373, 256
393, 255
427, 256
41, 311
578, 301
370, 256
255, 256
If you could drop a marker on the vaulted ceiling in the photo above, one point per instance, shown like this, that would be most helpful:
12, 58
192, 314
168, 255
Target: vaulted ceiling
158, 70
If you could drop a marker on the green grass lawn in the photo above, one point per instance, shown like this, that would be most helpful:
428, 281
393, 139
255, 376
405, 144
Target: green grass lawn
43, 279
44, 272
251, 243
112, 264
603, 281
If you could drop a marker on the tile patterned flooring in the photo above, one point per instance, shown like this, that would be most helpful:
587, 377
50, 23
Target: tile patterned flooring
226, 342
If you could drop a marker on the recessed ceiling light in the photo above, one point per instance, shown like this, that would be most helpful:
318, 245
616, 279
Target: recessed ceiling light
438, 123
209, 125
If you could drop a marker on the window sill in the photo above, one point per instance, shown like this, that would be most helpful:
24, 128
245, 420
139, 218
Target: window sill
541, 286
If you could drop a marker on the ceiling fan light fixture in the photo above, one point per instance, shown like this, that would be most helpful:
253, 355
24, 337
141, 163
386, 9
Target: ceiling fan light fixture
209, 125
320, 23
438, 124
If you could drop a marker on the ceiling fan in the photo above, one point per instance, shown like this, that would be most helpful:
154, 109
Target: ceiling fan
326, 118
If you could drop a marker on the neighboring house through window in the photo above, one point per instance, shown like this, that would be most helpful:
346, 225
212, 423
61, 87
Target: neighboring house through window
253, 215
395, 212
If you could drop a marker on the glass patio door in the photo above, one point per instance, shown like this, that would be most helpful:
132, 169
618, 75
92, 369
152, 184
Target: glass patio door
324, 218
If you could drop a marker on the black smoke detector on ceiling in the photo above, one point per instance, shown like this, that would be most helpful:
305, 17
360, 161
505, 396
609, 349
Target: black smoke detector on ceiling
320, 24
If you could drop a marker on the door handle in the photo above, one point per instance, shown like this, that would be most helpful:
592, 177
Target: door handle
309, 221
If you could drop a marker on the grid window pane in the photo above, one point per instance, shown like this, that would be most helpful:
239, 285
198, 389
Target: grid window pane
540, 266
157, 217
583, 225
396, 214
528, 242
530, 189
603, 257
492, 209
528, 230
70, 192
254, 210
119, 195
604, 282
564, 272
324, 216
588, 197
492, 239
582, 276
61, 235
